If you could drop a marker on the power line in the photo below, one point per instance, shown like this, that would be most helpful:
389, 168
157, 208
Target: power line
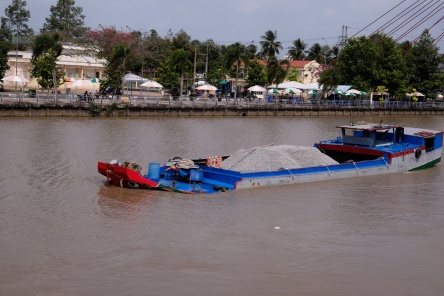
420, 22
438, 38
396, 18
378, 19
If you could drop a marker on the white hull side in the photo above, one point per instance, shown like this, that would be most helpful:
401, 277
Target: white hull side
399, 164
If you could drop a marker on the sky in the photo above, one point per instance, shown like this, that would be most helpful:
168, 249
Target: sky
245, 21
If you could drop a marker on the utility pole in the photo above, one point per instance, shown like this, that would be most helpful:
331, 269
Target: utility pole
325, 52
206, 63
343, 39
16, 54
195, 60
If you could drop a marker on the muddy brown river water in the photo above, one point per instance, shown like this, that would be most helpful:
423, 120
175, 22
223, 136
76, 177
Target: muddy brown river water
63, 232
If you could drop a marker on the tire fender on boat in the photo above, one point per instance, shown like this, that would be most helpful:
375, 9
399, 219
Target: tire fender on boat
418, 153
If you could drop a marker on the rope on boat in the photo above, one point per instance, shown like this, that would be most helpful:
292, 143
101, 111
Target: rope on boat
328, 170
107, 176
287, 169
386, 163
357, 170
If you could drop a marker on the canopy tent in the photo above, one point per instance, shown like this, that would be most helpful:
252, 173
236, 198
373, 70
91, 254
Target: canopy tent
356, 92
200, 82
312, 86
415, 94
83, 84
343, 88
133, 80
289, 84
313, 93
298, 85
152, 84
16, 79
273, 91
208, 87
293, 91
133, 77
256, 88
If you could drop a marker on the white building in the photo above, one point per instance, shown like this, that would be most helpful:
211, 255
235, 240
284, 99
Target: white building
74, 62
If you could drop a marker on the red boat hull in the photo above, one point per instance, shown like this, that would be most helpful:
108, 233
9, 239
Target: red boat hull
124, 177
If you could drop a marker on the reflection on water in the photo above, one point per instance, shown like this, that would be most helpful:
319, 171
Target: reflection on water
114, 202
64, 232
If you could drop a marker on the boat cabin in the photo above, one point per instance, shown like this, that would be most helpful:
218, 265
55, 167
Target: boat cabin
371, 135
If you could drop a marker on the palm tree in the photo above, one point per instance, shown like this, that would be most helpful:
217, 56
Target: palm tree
277, 70
235, 55
180, 60
315, 53
297, 51
270, 47
48, 44
119, 56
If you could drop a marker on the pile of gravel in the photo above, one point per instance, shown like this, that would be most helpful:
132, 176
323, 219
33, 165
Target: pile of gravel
275, 158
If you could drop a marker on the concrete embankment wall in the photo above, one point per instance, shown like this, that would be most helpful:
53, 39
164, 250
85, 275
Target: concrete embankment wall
134, 111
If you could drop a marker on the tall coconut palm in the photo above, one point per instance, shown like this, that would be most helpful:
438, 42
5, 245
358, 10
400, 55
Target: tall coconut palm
180, 60
119, 56
315, 53
298, 50
235, 55
48, 44
270, 47
277, 70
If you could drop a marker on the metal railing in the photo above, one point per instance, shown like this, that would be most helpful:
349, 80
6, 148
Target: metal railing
138, 100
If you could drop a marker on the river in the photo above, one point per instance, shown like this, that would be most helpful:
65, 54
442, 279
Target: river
63, 232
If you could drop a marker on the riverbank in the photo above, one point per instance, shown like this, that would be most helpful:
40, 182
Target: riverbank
23, 109
20, 105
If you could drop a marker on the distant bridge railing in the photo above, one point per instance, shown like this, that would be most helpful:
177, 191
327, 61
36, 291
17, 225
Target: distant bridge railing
133, 100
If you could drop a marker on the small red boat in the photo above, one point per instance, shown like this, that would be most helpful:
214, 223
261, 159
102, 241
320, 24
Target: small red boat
124, 176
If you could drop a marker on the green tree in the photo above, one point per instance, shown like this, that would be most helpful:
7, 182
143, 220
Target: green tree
118, 64
43, 71
316, 53
156, 51
180, 60
181, 40
66, 19
48, 44
330, 79
422, 60
277, 70
368, 62
270, 47
215, 74
4, 49
298, 50
167, 76
256, 74
15, 21
235, 56
251, 51
294, 74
